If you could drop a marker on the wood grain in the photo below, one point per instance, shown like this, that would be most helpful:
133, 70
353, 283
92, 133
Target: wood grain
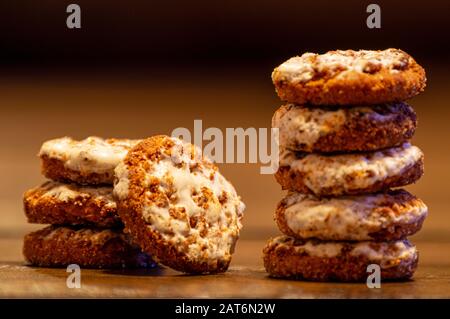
245, 279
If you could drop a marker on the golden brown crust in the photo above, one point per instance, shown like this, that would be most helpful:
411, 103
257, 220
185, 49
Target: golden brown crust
284, 261
396, 203
160, 242
55, 169
364, 87
80, 208
58, 246
385, 126
164, 252
398, 230
293, 180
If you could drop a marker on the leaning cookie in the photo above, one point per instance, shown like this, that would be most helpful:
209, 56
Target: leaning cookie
350, 174
340, 129
177, 206
286, 257
349, 78
59, 246
71, 204
381, 217
90, 161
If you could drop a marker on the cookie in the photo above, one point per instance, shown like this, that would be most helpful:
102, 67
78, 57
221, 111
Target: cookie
177, 206
90, 161
286, 257
349, 174
349, 78
380, 217
59, 246
71, 204
339, 129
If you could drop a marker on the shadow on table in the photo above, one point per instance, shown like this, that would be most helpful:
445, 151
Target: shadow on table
159, 271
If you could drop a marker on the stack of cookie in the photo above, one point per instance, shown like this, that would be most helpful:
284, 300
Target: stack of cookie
167, 201
78, 203
344, 133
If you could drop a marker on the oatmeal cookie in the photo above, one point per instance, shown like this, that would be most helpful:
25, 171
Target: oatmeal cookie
286, 257
71, 204
387, 216
90, 161
349, 174
348, 77
60, 246
326, 129
177, 206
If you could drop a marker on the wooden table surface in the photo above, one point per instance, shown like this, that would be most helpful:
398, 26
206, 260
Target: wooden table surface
36, 108
246, 278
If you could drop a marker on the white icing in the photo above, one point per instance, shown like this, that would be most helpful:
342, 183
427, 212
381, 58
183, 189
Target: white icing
386, 254
61, 193
121, 184
91, 155
312, 248
300, 125
350, 171
182, 177
346, 217
295, 69
323, 249
303, 68
66, 192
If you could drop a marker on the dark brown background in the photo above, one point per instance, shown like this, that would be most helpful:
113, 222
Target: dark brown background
202, 33
138, 68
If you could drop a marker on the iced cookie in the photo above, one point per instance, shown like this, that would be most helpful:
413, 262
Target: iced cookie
177, 206
341, 129
71, 204
349, 174
59, 246
382, 217
349, 78
286, 257
89, 161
